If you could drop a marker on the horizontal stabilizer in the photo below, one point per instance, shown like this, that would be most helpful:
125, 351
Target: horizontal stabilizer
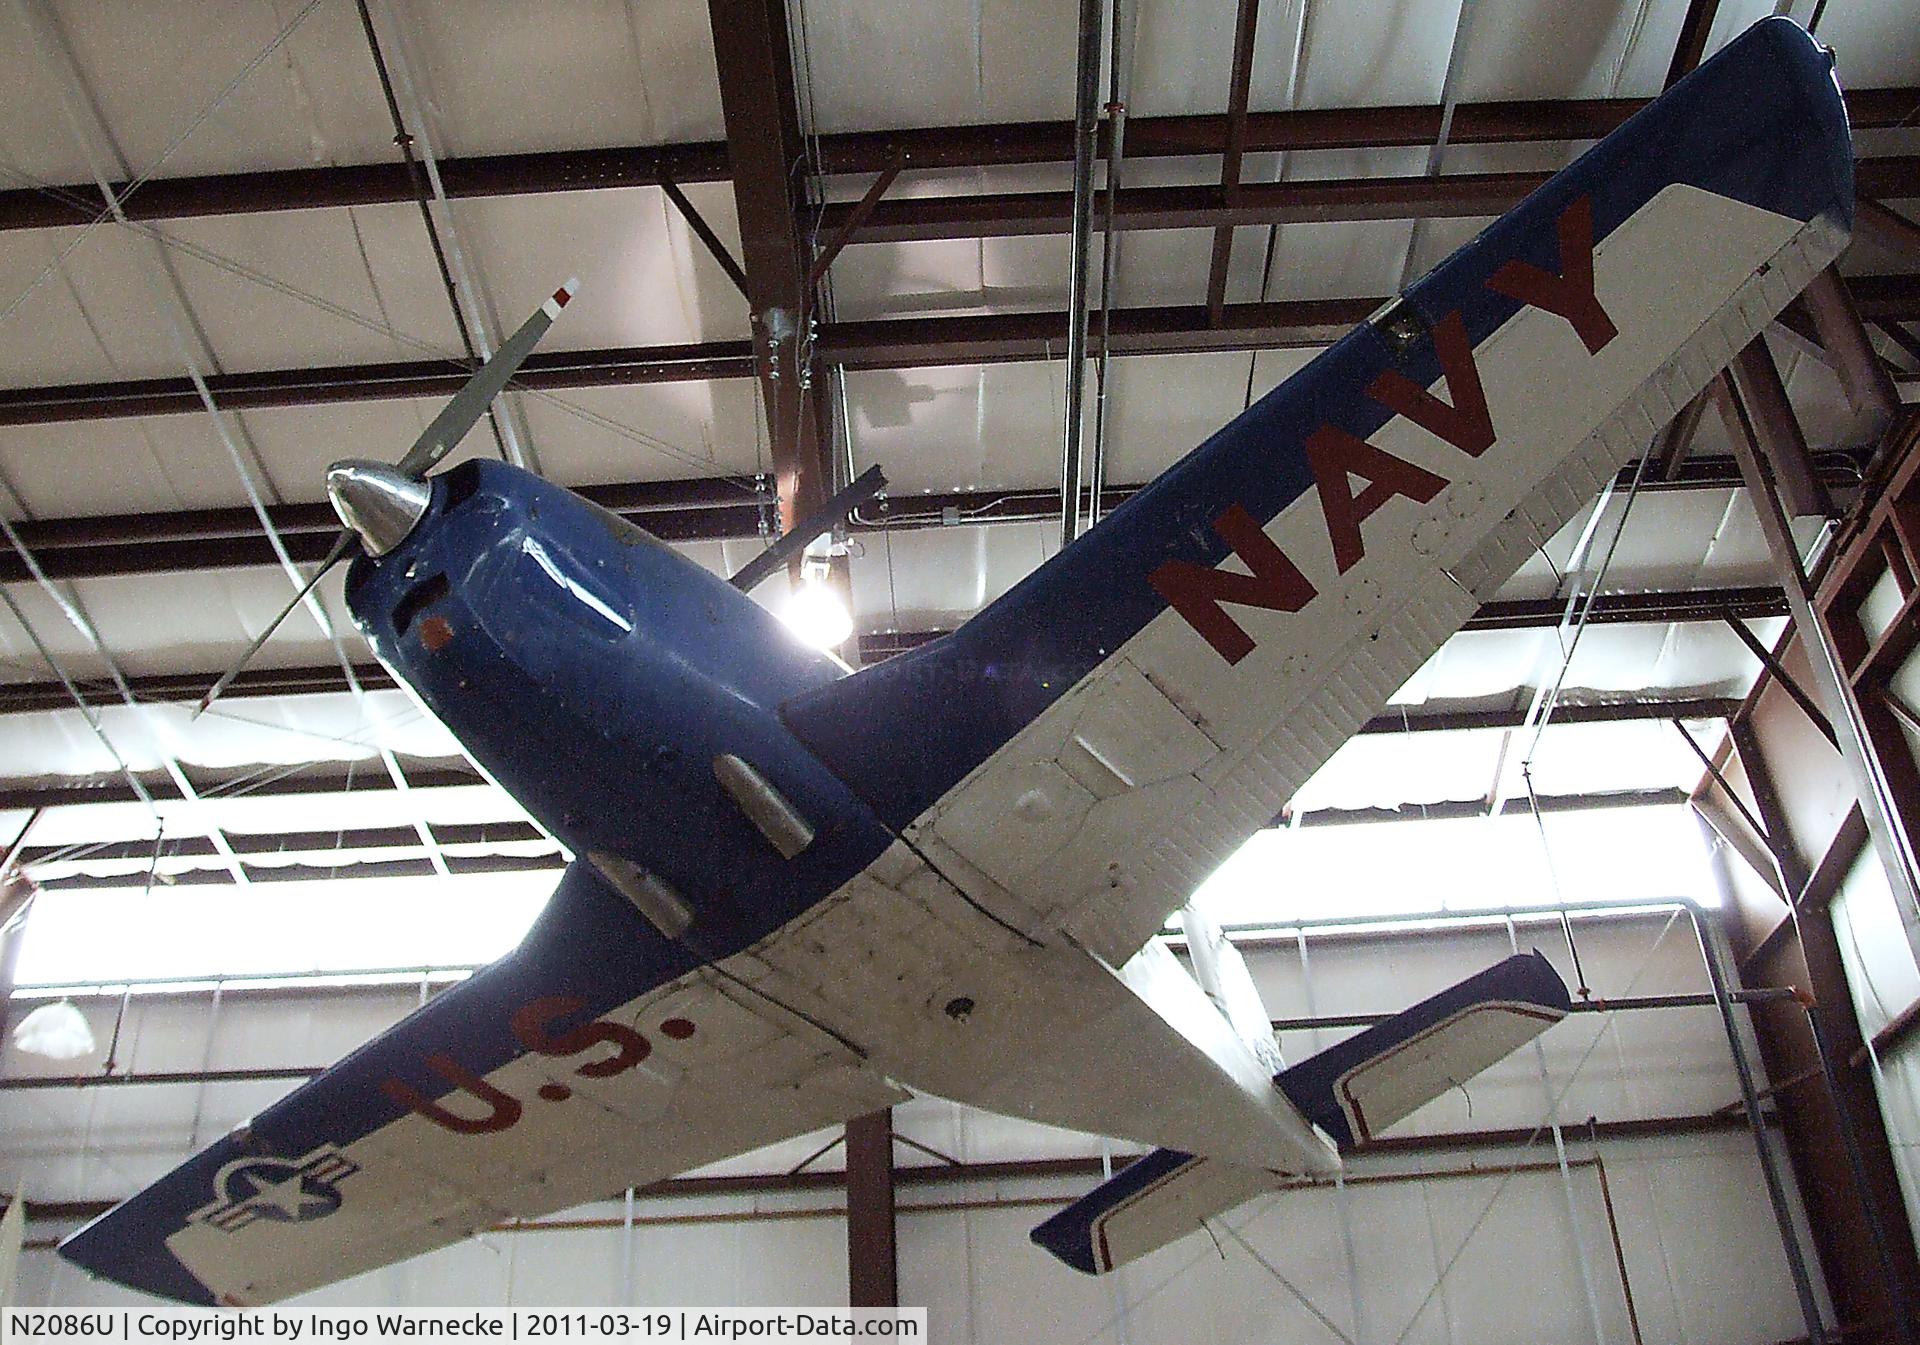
1352, 1091
1355, 1090
1144, 1206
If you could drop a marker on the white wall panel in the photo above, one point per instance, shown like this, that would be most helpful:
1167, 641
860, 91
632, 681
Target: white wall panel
1696, 1233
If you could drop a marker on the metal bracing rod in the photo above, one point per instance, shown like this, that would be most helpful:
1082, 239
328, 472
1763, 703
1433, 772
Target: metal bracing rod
1079, 263
1769, 1160
422, 192
1126, 14
704, 232
515, 447
1552, 1101
1788, 682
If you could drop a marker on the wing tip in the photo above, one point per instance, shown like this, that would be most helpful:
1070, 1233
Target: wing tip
103, 1249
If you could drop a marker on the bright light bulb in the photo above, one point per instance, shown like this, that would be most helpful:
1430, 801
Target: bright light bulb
817, 615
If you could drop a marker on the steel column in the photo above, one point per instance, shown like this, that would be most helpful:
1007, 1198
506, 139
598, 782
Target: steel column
873, 1279
1896, 859
1239, 90
764, 145
1868, 386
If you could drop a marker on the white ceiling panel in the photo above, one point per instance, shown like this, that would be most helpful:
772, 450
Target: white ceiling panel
930, 52
154, 69
1520, 50
934, 578
975, 426
79, 307
644, 278
646, 431
313, 287
1377, 53
506, 77
118, 466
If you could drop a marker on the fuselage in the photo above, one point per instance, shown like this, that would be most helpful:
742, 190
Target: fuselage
598, 675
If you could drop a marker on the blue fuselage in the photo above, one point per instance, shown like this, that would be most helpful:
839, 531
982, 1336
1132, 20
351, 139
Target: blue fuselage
596, 674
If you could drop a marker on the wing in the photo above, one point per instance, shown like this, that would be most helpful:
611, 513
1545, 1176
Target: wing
1084, 752
598, 1055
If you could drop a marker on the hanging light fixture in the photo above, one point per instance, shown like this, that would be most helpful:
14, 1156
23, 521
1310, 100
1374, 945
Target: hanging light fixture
815, 611
57, 1031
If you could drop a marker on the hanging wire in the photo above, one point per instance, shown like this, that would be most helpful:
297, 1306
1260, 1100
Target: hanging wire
1513, 1169
1299, 1295
173, 147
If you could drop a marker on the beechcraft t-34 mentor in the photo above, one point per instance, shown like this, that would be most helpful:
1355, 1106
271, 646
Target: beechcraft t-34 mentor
799, 894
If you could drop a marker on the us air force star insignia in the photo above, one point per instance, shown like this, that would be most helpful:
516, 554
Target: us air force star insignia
280, 1190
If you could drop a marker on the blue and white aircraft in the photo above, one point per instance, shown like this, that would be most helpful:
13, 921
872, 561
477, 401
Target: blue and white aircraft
798, 895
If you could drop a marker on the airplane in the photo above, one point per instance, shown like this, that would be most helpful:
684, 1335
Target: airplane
799, 895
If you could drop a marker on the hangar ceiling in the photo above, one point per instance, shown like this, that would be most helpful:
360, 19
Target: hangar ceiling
275, 286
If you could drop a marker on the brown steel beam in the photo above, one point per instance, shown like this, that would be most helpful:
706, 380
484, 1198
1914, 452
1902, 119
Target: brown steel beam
1754, 373
98, 546
1887, 227
907, 343
1885, 298
855, 153
1903, 338
1600, 712
1708, 604
823, 259
1051, 1169
704, 509
548, 371
1838, 316
890, 343
1341, 200
1016, 214
873, 1276
1691, 46
708, 238
1670, 450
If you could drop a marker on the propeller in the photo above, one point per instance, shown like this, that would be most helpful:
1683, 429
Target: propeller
374, 499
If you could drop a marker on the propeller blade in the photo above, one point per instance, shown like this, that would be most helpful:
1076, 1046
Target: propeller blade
470, 403
340, 549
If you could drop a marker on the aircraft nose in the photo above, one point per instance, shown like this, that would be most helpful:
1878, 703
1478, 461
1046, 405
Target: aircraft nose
377, 502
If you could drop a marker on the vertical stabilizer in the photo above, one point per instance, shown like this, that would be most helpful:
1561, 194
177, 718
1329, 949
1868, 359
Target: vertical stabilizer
1223, 974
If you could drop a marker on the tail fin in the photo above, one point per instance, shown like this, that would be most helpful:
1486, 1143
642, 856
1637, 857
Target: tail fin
1352, 1091
1223, 974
